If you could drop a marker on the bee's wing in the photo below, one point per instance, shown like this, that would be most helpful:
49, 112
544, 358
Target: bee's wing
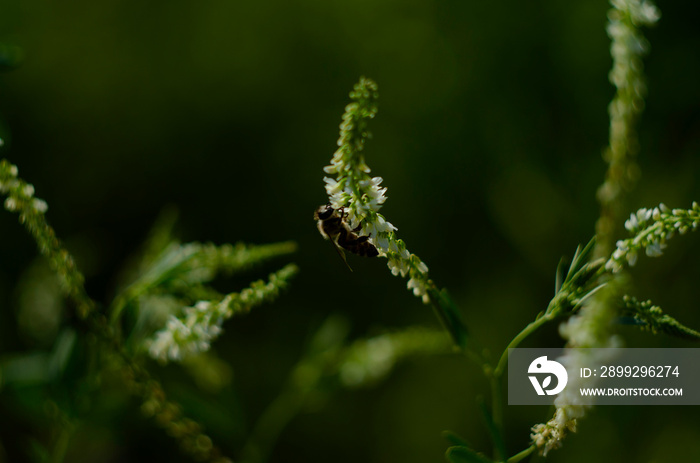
341, 253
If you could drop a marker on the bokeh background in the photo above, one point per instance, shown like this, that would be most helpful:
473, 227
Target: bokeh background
493, 117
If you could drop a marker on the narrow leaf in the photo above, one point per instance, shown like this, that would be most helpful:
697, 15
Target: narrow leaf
579, 260
572, 267
588, 294
494, 432
449, 315
454, 439
559, 277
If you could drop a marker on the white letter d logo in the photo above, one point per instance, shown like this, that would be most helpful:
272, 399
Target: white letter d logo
542, 365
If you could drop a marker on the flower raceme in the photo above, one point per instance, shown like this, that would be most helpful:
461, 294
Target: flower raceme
193, 331
651, 228
361, 196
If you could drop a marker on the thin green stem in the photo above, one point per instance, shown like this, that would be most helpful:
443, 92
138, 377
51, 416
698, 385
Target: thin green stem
269, 426
496, 410
61, 446
529, 329
519, 456
496, 374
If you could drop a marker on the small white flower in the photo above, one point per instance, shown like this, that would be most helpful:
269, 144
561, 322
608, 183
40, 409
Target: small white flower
382, 226
11, 204
393, 266
655, 249
40, 205
203, 306
418, 287
332, 186
382, 243
613, 266
28, 190
646, 13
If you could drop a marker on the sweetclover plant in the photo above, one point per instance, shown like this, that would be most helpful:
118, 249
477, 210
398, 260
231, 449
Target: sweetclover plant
176, 313
170, 311
589, 297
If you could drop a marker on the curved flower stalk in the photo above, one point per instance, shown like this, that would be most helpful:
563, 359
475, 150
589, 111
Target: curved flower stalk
361, 195
651, 228
627, 48
32, 210
590, 327
201, 324
182, 269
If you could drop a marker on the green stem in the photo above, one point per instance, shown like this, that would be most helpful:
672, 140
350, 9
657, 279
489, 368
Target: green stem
519, 456
529, 329
497, 373
496, 410
61, 446
269, 426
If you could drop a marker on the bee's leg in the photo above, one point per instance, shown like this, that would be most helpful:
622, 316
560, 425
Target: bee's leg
343, 240
358, 228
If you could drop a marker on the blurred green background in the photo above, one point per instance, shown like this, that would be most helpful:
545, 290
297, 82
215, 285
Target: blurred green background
493, 116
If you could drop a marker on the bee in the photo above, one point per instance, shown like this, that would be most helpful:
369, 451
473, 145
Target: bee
333, 226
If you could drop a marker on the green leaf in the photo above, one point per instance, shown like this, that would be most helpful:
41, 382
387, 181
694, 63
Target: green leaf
34, 368
449, 315
559, 277
61, 353
588, 295
580, 259
494, 432
25, 369
454, 439
652, 318
462, 454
